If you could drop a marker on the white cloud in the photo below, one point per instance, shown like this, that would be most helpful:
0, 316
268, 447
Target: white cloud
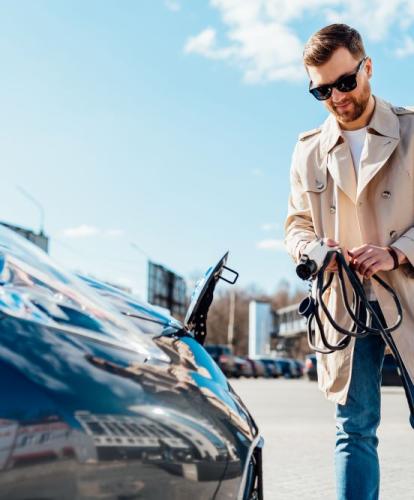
81, 231
260, 39
373, 19
172, 5
205, 44
407, 49
86, 231
271, 245
270, 226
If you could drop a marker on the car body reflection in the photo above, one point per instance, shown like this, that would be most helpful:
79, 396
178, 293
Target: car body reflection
95, 405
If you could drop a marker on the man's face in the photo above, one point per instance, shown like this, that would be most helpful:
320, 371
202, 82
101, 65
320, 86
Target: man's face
345, 106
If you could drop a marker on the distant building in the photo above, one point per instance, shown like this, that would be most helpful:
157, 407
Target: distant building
291, 332
289, 322
39, 239
281, 331
167, 289
260, 328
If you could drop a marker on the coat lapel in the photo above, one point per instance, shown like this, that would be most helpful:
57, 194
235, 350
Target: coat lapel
337, 154
341, 168
377, 152
382, 139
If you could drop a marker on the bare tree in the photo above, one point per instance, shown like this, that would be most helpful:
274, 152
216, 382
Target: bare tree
219, 314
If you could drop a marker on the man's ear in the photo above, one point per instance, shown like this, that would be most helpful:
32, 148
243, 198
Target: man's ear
368, 67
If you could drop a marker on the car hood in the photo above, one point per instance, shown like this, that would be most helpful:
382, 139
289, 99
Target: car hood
34, 288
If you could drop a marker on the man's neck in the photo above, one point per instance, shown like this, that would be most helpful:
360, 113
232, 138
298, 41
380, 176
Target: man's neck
363, 120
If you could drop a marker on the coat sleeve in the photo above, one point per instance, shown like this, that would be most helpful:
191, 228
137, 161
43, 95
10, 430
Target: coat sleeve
405, 243
299, 229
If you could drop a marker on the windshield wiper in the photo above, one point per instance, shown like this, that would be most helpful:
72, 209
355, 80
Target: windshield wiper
146, 318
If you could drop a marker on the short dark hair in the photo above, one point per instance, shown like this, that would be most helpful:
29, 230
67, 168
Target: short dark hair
322, 44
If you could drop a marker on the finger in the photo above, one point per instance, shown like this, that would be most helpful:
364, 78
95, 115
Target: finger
333, 263
330, 242
368, 254
363, 268
332, 266
356, 251
384, 263
373, 269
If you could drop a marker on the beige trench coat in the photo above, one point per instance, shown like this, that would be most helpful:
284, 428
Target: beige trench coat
326, 200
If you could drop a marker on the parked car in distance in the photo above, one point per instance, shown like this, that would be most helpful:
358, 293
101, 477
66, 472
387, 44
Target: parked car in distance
272, 367
300, 368
390, 371
310, 367
288, 367
224, 357
258, 367
243, 367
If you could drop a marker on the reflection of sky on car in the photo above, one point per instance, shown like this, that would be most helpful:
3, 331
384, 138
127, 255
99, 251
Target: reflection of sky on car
36, 289
125, 302
58, 379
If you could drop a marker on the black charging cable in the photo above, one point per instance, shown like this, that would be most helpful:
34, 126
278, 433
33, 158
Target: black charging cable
310, 308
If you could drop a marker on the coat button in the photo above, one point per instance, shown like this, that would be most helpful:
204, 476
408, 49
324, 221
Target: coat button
319, 185
393, 234
386, 195
332, 209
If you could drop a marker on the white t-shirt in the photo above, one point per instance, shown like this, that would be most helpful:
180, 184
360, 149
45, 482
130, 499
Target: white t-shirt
356, 141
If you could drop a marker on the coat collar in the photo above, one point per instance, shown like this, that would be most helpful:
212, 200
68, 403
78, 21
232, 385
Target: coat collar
382, 139
383, 122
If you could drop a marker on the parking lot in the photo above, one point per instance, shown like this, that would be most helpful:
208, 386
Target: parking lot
298, 426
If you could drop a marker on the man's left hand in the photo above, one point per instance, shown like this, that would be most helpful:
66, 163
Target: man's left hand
369, 259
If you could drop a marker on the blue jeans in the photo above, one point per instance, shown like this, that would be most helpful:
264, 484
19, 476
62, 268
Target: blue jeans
356, 458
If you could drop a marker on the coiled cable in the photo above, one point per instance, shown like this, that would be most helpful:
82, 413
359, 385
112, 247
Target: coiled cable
310, 307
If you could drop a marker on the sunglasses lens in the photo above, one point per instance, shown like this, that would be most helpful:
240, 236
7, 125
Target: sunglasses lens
347, 83
321, 93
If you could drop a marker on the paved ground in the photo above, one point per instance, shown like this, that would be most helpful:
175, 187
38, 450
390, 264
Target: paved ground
298, 427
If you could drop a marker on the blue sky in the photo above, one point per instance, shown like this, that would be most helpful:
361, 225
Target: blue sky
170, 125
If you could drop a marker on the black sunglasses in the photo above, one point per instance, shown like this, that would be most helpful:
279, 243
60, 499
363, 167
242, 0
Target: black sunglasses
345, 83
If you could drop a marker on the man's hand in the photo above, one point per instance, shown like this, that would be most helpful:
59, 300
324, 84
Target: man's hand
369, 259
332, 266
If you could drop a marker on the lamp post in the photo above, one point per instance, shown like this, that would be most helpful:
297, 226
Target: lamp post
230, 328
39, 206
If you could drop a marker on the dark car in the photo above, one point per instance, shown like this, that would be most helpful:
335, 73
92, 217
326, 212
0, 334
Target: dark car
310, 367
287, 367
224, 357
300, 368
103, 396
258, 367
273, 368
390, 371
243, 367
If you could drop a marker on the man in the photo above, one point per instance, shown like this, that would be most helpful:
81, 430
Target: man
352, 183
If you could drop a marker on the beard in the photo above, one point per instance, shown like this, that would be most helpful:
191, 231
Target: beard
355, 105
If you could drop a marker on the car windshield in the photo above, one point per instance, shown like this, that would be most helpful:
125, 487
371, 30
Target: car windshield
150, 319
33, 287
